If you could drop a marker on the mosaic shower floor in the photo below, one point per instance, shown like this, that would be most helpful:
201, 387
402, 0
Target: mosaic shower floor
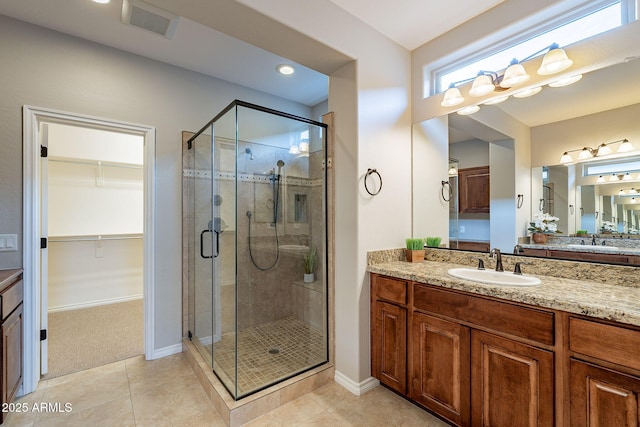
268, 353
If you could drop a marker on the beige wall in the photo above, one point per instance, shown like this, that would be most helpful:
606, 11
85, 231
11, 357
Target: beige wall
47, 69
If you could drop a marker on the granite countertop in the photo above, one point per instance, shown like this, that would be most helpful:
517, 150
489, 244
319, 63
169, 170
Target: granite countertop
7, 277
585, 248
601, 300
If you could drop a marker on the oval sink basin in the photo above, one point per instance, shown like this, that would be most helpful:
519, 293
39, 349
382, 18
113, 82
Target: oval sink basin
493, 277
594, 248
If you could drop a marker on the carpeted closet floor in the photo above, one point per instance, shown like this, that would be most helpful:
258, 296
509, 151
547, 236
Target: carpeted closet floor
95, 336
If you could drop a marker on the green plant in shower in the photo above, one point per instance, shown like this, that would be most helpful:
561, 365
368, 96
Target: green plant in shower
310, 260
414, 243
433, 242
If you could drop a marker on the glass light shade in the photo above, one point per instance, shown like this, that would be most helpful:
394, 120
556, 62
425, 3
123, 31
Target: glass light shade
585, 154
294, 149
468, 110
554, 61
601, 179
604, 149
566, 158
614, 178
497, 100
304, 147
453, 171
452, 97
514, 76
527, 92
566, 81
482, 85
626, 177
625, 147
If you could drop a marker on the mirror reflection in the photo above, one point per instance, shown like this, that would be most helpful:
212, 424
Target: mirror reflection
596, 200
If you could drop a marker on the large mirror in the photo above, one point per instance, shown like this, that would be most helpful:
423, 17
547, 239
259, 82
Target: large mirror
603, 107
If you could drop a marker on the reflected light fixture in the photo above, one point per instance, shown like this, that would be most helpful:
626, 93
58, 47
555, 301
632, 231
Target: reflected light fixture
600, 179
468, 110
285, 69
527, 92
626, 177
614, 178
102, 1
566, 81
497, 100
602, 150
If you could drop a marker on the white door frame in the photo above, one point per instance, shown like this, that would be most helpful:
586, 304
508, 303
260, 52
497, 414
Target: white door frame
32, 118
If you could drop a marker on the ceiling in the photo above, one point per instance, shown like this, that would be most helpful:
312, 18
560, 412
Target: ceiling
199, 48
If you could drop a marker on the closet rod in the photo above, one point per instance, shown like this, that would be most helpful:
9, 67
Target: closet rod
95, 238
94, 163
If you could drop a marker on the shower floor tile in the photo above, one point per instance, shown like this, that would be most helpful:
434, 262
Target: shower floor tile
268, 353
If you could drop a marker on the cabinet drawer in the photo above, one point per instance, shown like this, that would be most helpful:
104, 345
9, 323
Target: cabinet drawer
523, 322
611, 343
394, 290
10, 298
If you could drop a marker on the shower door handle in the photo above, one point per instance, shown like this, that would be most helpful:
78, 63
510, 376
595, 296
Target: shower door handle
202, 244
217, 243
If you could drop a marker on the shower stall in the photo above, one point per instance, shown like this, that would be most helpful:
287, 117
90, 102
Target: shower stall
254, 207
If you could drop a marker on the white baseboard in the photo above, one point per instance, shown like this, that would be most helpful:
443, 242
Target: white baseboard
354, 387
166, 351
94, 303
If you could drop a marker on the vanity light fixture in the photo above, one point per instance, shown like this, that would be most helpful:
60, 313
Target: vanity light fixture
602, 150
554, 61
614, 178
626, 177
285, 69
601, 179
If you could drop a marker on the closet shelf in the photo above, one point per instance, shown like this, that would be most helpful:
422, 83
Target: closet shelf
97, 237
95, 162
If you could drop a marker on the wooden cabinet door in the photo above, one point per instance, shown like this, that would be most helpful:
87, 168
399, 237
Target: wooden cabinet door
439, 368
512, 384
602, 397
11, 356
389, 346
474, 190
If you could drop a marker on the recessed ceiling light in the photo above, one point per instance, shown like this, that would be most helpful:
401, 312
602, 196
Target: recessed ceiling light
101, 1
285, 69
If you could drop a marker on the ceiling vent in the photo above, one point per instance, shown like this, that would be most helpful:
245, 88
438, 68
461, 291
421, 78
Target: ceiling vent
148, 17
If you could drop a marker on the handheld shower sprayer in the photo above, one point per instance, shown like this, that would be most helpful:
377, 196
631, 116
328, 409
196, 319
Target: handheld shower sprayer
280, 165
249, 152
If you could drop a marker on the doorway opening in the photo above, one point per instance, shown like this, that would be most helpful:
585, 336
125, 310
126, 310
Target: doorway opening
88, 242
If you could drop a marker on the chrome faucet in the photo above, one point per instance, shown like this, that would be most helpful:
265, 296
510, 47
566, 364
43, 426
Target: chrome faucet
593, 239
495, 253
517, 249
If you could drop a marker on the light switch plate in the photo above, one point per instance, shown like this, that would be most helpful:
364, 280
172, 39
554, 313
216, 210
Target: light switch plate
8, 242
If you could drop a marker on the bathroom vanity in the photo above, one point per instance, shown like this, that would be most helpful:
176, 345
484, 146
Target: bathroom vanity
11, 295
478, 354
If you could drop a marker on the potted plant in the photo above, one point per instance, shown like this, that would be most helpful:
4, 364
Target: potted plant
433, 242
310, 261
415, 249
543, 225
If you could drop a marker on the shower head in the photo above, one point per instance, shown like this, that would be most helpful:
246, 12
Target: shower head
280, 165
248, 151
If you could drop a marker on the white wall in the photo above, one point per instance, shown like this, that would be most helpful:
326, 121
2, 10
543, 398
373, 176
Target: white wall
51, 70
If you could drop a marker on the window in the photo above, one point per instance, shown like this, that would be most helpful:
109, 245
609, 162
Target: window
612, 167
571, 31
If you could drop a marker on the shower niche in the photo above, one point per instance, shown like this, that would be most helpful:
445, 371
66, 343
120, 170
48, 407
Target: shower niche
254, 203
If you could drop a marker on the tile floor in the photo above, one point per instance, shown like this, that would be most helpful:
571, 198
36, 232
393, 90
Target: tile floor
165, 392
267, 353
